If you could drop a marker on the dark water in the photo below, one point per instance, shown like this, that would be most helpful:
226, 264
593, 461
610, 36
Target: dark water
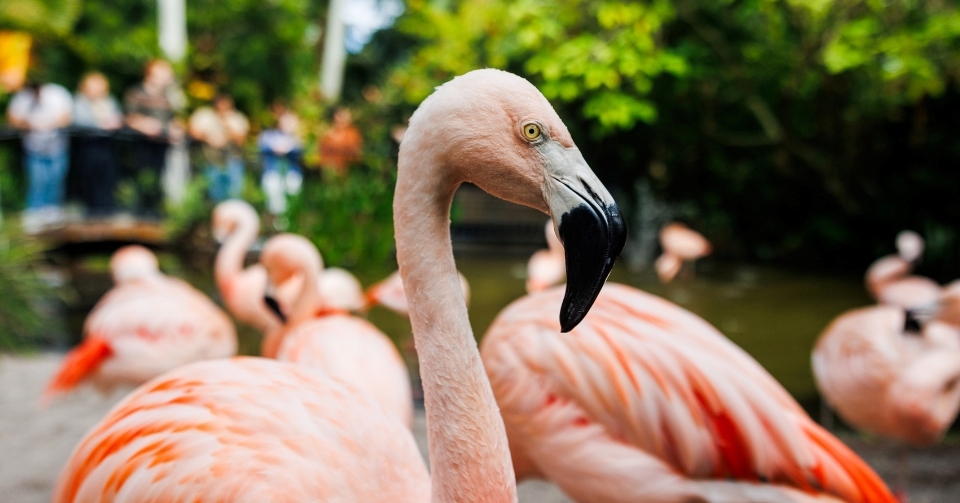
775, 314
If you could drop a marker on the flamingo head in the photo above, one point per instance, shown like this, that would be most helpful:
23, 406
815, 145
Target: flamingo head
909, 246
495, 130
340, 291
390, 294
230, 215
133, 262
286, 257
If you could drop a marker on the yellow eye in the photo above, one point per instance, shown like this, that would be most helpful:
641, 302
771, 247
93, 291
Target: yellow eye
531, 131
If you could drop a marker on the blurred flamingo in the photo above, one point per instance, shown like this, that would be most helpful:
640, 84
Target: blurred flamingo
889, 279
259, 430
346, 347
887, 374
147, 324
680, 244
235, 225
646, 401
546, 267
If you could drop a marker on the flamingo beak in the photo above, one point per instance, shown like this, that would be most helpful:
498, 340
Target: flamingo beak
272, 304
590, 227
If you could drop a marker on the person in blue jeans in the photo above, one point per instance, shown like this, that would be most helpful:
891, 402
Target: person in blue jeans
42, 111
222, 132
281, 151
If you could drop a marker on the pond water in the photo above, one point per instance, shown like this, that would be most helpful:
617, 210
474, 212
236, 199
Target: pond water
774, 314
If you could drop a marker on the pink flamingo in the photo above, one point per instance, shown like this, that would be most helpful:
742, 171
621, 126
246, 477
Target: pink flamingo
884, 373
260, 430
680, 243
236, 225
546, 267
889, 279
146, 325
348, 348
646, 401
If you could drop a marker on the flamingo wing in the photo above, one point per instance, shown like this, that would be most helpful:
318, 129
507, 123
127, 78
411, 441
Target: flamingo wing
245, 430
661, 380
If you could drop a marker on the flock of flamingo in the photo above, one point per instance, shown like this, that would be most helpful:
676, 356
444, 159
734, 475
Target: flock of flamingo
623, 397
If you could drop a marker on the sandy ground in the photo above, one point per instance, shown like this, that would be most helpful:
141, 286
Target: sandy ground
35, 443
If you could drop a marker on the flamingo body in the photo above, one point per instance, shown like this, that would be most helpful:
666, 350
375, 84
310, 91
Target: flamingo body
144, 326
354, 351
645, 401
886, 381
199, 433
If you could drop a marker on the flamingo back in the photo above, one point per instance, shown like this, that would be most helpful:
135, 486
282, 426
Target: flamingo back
354, 351
245, 430
656, 378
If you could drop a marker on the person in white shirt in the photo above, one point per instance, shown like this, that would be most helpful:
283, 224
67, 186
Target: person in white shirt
43, 111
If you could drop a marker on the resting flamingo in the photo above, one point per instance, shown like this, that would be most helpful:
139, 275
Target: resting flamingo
546, 267
680, 243
348, 348
887, 374
260, 430
889, 279
646, 401
145, 325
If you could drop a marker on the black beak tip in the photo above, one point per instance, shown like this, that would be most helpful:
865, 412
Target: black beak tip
592, 243
274, 307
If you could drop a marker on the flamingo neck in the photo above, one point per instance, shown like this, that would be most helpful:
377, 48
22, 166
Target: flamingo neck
233, 251
469, 455
303, 310
885, 271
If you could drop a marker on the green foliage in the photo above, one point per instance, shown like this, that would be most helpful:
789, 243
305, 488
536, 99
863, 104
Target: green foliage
39, 16
349, 218
20, 291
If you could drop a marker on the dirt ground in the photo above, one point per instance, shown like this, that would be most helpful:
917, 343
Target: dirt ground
35, 442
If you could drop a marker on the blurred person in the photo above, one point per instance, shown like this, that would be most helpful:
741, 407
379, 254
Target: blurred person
43, 111
96, 115
281, 151
152, 114
222, 131
341, 145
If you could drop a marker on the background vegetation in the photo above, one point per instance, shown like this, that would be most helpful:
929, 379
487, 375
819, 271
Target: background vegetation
799, 131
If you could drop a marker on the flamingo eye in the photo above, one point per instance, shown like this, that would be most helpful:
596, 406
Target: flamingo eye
531, 131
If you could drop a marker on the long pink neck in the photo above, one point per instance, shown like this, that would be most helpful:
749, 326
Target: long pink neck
230, 258
469, 455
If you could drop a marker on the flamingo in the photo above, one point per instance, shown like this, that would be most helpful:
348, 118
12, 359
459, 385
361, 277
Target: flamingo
680, 243
889, 279
646, 401
236, 224
147, 324
346, 347
546, 267
259, 430
884, 373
